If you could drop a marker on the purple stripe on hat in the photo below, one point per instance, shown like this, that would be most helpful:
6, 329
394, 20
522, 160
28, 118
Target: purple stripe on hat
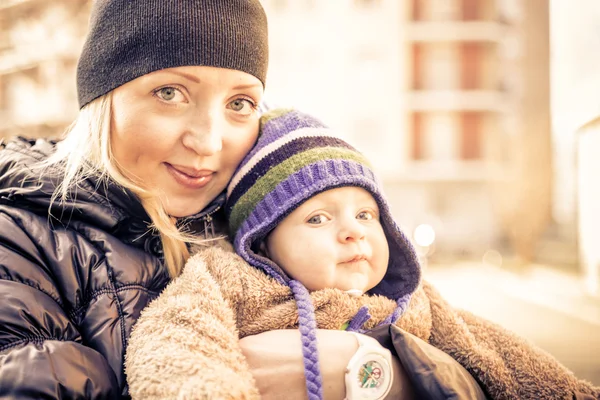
279, 127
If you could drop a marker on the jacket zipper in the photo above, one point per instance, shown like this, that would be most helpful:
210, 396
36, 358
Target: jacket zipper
208, 223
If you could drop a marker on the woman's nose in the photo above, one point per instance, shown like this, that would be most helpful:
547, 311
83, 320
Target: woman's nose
351, 231
204, 137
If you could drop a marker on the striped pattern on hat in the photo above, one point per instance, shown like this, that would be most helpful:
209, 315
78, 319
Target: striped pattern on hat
296, 157
285, 148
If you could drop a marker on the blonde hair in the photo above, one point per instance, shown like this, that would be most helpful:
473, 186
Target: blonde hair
86, 151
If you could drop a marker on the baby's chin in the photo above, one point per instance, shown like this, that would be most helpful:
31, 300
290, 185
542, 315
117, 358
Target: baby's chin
356, 283
355, 292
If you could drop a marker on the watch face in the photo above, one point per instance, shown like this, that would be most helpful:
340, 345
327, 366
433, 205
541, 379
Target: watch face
371, 375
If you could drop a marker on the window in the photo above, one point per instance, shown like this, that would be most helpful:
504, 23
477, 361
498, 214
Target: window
417, 66
441, 10
471, 57
470, 9
417, 10
440, 66
417, 152
470, 140
434, 136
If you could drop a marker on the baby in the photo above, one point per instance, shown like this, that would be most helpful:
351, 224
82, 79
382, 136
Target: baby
306, 209
317, 247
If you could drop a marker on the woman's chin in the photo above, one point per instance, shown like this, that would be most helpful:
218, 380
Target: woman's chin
180, 208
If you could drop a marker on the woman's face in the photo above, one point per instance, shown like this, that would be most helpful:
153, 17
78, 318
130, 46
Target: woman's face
183, 131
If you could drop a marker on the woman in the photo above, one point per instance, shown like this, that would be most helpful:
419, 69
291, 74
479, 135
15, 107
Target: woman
92, 228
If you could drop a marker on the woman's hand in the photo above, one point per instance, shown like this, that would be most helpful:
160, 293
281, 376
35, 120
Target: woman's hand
275, 359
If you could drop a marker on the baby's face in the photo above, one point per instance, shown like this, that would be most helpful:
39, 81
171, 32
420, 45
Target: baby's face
333, 240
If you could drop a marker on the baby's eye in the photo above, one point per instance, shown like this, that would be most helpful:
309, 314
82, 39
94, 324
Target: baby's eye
242, 106
170, 94
365, 215
317, 219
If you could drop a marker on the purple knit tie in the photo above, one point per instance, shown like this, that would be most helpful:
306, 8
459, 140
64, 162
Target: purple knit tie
357, 322
401, 305
308, 334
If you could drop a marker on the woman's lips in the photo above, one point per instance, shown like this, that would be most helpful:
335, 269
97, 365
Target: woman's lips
191, 179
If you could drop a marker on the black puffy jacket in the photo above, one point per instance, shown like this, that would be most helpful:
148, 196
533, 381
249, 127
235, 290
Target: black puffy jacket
72, 283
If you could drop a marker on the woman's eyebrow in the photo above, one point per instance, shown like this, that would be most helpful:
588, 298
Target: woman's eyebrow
248, 86
187, 76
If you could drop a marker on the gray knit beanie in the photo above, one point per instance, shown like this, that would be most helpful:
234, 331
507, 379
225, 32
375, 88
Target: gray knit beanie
131, 38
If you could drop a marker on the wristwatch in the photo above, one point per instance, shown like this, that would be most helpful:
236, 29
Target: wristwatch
369, 371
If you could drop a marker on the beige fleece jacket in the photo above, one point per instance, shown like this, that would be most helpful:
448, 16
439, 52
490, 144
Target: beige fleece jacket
185, 343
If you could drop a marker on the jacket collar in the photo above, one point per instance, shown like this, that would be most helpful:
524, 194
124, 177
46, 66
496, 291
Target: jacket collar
99, 203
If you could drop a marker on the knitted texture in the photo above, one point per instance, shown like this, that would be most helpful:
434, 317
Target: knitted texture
401, 305
131, 38
295, 158
307, 327
359, 319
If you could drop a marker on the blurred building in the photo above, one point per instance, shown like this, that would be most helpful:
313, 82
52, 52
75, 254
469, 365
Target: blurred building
575, 92
449, 98
588, 148
575, 113
461, 57
576, 128
40, 43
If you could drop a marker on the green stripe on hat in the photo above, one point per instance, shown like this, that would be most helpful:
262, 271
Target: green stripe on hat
272, 114
279, 173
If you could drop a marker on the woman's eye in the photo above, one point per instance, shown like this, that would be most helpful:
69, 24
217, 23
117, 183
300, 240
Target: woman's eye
317, 219
242, 106
170, 94
365, 215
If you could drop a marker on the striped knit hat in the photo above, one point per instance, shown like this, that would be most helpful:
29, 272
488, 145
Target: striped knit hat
295, 158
